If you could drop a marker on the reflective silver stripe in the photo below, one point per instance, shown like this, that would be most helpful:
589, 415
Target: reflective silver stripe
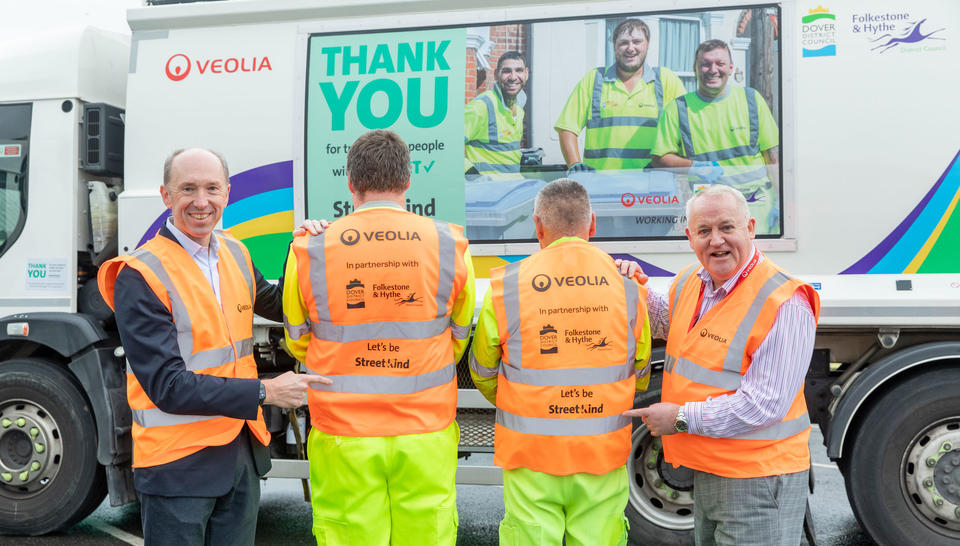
586, 426
244, 347
681, 282
619, 153
296, 331
212, 358
459, 332
511, 304
345, 333
733, 360
596, 102
724, 379
179, 311
480, 369
392, 384
643, 371
747, 150
631, 293
241, 260
563, 377
621, 121
498, 167
779, 431
491, 118
683, 121
496, 146
669, 361
318, 276
447, 258
658, 89
156, 418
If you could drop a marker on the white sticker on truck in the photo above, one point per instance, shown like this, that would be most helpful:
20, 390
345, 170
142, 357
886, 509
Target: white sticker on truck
46, 275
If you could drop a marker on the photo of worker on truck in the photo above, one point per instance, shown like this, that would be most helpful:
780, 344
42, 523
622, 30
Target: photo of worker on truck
528, 120
845, 153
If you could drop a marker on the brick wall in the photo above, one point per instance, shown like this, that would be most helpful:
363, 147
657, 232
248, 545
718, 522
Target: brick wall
504, 38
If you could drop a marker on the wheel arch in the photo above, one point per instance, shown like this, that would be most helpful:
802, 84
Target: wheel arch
877, 379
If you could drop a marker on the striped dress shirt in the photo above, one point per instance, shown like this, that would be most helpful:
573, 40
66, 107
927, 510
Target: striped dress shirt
775, 375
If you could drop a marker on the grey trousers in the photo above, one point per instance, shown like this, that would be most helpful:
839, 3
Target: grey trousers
230, 519
764, 511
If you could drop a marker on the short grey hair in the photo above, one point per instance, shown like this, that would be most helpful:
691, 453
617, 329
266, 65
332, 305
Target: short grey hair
168, 164
563, 206
720, 189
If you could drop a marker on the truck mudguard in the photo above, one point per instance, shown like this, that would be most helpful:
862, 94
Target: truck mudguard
874, 377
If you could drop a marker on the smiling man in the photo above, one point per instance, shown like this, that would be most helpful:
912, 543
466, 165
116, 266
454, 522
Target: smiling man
739, 334
184, 304
493, 122
723, 134
619, 105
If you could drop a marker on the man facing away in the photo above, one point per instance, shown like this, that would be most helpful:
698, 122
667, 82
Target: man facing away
382, 303
723, 134
740, 334
561, 347
493, 122
619, 105
184, 304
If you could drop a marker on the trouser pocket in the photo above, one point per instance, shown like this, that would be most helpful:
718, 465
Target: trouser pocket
516, 532
329, 532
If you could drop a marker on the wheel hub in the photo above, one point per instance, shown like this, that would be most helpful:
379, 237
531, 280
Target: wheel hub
931, 472
30, 447
658, 491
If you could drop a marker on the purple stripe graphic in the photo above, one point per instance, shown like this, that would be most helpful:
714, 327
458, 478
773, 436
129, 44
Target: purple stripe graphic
275, 176
648, 268
865, 264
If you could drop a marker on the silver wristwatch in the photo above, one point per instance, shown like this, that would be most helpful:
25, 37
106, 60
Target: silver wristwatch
680, 425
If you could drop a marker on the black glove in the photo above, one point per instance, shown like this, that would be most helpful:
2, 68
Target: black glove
580, 168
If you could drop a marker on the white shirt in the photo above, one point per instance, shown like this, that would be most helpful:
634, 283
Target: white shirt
204, 256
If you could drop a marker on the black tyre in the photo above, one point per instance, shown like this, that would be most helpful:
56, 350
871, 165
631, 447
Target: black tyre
49, 475
903, 470
660, 507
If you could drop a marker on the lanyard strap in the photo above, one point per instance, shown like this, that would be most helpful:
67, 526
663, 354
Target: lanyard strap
746, 271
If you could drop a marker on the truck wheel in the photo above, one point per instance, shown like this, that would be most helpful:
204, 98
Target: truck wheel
903, 472
49, 475
660, 506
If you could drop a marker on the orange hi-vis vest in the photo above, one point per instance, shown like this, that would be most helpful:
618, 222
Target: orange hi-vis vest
380, 285
566, 320
710, 358
211, 341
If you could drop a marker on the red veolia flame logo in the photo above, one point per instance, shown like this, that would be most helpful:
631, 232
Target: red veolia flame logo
178, 67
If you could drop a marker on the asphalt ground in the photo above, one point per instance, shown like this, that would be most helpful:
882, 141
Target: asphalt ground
284, 517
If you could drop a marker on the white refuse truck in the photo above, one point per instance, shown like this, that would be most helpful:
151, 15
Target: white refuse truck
864, 197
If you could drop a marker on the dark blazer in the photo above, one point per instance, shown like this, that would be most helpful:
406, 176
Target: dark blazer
149, 338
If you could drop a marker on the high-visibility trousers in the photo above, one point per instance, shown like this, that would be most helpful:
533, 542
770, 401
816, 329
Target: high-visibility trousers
384, 490
543, 510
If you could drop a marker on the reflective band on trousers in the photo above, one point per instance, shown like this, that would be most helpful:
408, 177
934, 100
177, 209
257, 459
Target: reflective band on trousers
582, 426
749, 150
392, 384
342, 333
511, 304
157, 418
204, 359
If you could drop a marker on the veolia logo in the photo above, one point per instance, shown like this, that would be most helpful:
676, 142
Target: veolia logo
178, 67
350, 237
541, 282
706, 333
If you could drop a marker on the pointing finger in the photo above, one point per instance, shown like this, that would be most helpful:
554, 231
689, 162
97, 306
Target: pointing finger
639, 412
317, 379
